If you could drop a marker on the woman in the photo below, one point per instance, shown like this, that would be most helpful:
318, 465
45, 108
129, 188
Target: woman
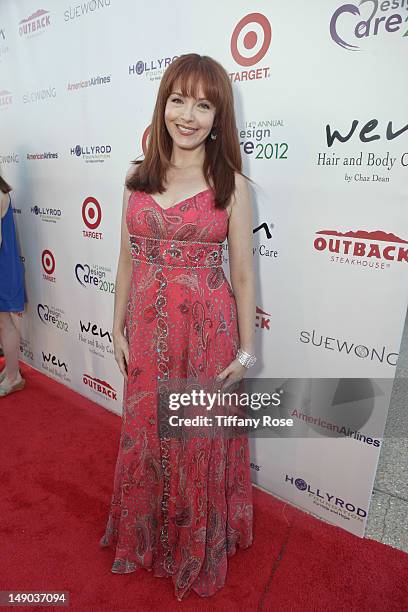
180, 507
12, 295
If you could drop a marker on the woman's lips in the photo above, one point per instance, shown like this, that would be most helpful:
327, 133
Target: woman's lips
186, 132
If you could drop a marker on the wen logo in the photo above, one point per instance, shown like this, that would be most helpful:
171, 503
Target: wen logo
368, 127
52, 359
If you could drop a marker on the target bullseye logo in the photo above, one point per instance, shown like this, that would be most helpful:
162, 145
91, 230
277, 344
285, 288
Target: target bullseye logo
48, 261
250, 39
91, 213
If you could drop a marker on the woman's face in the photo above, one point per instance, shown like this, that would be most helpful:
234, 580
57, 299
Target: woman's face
188, 120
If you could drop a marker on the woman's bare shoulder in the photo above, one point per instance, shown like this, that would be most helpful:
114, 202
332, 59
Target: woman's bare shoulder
241, 184
241, 192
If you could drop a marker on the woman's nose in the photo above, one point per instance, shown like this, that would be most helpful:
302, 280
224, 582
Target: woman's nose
187, 113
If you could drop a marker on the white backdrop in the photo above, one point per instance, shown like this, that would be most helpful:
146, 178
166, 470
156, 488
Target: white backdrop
78, 84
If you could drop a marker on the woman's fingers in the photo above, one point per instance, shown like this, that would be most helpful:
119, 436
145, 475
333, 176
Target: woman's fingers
122, 355
222, 375
123, 367
122, 363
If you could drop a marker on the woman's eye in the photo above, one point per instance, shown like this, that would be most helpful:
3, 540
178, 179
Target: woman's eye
202, 104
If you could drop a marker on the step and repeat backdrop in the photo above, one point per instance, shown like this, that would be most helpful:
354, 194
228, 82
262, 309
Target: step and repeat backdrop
320, 94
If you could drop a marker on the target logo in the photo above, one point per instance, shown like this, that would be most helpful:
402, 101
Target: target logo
250, 39
91, 212
48, 261
92, 216
48, 264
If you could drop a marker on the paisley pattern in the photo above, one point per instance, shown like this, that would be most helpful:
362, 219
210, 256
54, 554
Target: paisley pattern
179, 506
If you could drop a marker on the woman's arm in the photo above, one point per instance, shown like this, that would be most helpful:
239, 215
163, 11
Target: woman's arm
123, 279
241, 262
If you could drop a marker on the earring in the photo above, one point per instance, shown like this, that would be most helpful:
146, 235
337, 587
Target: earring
213, 135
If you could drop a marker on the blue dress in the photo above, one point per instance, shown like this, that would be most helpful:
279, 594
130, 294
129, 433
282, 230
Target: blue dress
12, 289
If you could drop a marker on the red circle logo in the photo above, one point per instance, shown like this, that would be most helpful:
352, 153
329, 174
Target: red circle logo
48, 261
91, 212
250, 39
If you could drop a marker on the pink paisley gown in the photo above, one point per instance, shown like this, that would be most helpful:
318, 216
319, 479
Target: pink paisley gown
179, 508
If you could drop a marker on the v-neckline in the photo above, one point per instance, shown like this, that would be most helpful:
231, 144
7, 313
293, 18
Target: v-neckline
181, 201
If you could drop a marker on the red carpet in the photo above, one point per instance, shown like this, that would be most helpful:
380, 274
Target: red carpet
57, 457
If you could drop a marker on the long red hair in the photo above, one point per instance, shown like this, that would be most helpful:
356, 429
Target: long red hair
4, 187
222, 156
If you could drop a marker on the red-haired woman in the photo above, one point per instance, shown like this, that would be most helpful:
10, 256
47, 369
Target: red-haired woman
180, 507
12, 294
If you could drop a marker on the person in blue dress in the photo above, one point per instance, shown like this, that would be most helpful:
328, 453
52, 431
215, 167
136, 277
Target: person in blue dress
12, 294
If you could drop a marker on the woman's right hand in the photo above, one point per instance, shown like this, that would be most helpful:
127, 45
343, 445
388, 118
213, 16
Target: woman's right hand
121, 352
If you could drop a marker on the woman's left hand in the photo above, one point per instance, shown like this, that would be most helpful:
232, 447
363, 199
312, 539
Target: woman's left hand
232, 374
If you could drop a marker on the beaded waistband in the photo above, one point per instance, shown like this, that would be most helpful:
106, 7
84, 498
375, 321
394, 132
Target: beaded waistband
173, 253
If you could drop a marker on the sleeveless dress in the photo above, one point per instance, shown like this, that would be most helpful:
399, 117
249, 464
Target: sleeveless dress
179, 507
12, 290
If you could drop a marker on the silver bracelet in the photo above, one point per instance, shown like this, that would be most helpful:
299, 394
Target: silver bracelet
246, 359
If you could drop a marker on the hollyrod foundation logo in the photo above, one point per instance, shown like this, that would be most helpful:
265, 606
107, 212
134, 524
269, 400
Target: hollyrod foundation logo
152, 69
51, 315
328, 500
92, 217
101, 387
95, 277
98, 80
48, 264
36, 23
250, 42
6, 98
349, 348
92, 153
48, 215
348, 25
374, 249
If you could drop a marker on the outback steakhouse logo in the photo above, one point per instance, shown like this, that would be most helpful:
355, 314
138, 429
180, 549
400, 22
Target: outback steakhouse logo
100, 386
354, 247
